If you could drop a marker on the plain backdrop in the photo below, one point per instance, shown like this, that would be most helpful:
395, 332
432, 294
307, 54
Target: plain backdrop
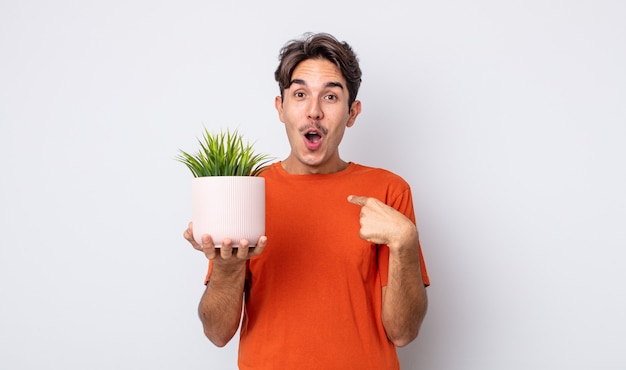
508, 119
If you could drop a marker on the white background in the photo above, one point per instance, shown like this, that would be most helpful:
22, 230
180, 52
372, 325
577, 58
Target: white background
508, 119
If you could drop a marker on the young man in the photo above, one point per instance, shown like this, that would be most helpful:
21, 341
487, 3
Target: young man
339, 280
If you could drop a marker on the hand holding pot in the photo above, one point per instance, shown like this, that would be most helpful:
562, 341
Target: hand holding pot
227, 250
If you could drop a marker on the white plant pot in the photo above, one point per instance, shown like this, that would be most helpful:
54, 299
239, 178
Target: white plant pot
228, 207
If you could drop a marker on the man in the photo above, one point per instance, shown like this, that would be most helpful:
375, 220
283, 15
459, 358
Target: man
339, 280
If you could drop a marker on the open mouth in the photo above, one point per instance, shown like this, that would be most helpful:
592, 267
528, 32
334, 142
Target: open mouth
313, 136
313, 139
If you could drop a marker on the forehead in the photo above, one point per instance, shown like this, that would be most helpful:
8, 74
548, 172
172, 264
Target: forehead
317, 71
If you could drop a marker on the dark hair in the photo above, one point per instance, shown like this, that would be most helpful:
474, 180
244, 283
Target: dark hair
319, 46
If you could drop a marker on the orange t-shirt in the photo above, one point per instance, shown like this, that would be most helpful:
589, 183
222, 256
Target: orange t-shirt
313, 297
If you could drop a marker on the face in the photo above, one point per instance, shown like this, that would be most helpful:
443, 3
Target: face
315, 113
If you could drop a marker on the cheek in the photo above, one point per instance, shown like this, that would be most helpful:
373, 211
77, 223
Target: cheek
289, 114
292, 132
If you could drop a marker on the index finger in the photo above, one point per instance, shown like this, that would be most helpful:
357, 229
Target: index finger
357, 199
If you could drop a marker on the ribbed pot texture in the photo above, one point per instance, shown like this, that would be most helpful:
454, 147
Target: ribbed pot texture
228, 207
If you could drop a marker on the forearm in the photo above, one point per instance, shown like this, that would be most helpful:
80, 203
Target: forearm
221, 303
404, 298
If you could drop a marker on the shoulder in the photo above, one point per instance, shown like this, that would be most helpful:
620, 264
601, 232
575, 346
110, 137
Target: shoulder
271, 171
382, 184
379, 175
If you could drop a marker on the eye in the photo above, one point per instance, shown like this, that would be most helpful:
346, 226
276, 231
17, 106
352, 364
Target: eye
330, 97
298, 94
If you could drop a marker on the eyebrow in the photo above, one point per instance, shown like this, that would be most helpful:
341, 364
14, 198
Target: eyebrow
328, 84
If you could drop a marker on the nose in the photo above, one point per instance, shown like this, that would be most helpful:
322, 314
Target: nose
315, 110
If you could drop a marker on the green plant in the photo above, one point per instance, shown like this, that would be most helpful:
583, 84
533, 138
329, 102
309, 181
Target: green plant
224, 154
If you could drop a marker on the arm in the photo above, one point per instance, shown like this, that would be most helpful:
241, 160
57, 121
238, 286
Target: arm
221, 304
404, 298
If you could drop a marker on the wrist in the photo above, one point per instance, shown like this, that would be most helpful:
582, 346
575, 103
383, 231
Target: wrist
407, 239
232, 270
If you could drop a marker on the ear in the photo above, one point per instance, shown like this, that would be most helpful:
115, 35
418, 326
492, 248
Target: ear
278, 104
355, 110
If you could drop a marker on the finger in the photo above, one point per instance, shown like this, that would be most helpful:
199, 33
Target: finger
207, 241
259, 246
357, 199
242, 250
188, 235
226, 250
208, 247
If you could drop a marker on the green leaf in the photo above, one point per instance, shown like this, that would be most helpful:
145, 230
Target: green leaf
224, 154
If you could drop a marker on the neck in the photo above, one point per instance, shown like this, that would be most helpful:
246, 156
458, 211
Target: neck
295, 167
